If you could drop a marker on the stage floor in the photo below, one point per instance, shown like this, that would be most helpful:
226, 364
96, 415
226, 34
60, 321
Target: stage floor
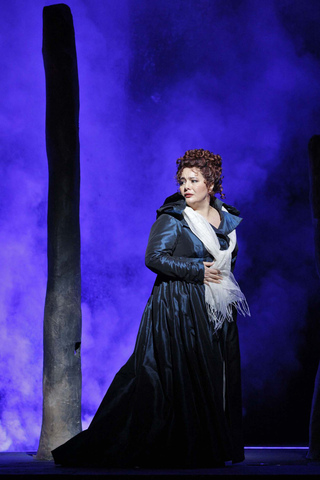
259, 461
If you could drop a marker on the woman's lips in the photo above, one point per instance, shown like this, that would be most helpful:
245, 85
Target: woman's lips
188, 194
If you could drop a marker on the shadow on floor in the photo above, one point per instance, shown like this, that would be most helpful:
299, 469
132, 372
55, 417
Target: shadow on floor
259, 461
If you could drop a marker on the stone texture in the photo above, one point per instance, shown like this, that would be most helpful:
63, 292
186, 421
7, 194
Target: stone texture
62, 318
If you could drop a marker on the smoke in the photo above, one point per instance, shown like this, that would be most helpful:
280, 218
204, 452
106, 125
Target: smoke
239, 78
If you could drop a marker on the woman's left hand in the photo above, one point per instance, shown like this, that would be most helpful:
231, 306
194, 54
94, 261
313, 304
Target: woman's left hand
211, 275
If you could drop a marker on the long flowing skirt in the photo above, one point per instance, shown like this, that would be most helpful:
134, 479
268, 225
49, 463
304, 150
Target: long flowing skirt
176, 403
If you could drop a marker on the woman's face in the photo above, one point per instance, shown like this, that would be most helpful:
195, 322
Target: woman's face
193, 187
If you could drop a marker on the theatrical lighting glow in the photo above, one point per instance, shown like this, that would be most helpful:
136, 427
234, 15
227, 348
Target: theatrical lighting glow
239, 78
276, 448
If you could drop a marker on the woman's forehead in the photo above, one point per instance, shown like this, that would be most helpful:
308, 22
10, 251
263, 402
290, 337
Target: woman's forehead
191, 172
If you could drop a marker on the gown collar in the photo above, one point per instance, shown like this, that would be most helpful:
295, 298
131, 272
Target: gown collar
229, 221
176, 203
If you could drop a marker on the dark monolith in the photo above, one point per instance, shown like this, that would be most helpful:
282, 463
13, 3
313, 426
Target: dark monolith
61, 418
314, 163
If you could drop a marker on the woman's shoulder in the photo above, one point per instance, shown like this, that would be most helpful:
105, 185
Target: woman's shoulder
166, 224
230, 215
230, 208
173, 206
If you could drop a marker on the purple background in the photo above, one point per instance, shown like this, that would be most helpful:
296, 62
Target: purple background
237, 77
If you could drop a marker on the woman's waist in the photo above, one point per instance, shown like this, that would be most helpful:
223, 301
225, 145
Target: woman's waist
208, 258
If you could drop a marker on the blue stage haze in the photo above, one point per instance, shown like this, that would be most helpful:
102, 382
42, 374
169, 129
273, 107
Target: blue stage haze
237, 77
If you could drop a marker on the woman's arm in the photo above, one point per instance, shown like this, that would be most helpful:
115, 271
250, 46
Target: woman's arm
159, 258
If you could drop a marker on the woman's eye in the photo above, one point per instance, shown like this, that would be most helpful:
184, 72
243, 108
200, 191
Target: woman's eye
194, 181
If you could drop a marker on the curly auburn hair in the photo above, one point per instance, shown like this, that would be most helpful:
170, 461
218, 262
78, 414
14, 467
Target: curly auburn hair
209, 164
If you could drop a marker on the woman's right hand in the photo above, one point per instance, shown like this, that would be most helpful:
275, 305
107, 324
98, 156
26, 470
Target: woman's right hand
211, 275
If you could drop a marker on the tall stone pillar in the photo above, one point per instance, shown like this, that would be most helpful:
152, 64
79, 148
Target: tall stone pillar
62, 316
314, 164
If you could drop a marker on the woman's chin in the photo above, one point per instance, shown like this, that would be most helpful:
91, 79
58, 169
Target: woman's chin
191, 203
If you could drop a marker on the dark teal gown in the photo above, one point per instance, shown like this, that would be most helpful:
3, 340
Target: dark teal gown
176, 403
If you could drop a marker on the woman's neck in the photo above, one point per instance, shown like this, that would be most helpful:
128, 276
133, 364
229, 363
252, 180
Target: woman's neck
203, 207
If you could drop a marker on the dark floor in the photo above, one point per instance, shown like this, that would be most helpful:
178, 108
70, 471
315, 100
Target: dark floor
259, 461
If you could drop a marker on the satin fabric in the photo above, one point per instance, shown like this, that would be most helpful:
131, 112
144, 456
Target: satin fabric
177, 401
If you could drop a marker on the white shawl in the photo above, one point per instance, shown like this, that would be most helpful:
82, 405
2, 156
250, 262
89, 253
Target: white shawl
220, 297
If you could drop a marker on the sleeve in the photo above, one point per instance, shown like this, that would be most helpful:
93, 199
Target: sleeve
159, 258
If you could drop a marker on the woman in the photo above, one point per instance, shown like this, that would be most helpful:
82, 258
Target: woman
177, 400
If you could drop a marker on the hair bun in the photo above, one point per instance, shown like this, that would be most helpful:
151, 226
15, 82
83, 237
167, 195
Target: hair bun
207, 162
